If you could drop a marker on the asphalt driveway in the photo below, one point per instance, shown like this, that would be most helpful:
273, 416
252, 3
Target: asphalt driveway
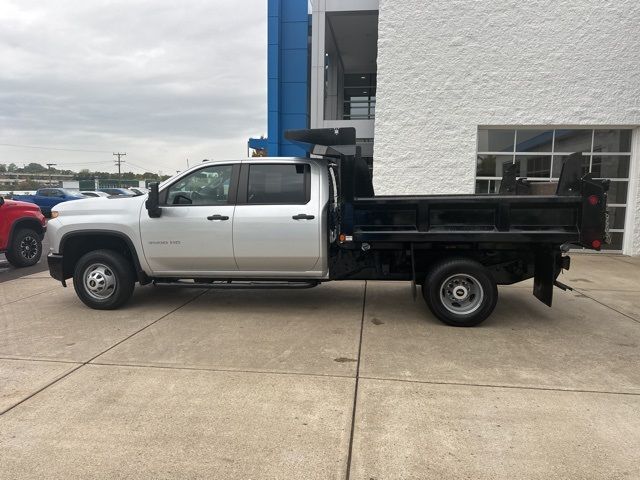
347, 380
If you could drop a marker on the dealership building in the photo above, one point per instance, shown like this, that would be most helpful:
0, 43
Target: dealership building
443, 94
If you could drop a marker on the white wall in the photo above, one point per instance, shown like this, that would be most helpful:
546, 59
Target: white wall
444, 68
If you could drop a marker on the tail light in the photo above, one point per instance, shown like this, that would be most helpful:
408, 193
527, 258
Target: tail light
593, 200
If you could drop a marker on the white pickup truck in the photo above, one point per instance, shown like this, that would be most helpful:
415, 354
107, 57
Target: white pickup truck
297, 222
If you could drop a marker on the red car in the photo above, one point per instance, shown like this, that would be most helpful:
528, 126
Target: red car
22, 228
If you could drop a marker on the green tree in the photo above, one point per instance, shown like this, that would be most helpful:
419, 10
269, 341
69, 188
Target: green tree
34, 168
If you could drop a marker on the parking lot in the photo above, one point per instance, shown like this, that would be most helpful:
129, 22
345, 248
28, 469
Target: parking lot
347, 380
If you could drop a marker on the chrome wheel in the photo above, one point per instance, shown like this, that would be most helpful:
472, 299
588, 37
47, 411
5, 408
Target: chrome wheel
99, 281
29, 247
461, 294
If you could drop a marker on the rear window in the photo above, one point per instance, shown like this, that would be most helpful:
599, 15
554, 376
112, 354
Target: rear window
279, 184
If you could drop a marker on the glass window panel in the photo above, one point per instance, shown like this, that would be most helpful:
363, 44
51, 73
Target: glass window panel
534, 165
534, 140
616, 242
570, 141
492, 165
277, 184
617, 192
494, 186
616, 217
558, 160
613, 141
610, 166
207, 186
495, 140
482, 186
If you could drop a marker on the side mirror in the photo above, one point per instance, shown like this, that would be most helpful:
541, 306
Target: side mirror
153, 201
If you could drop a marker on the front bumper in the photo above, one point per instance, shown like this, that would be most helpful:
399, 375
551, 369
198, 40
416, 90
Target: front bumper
56, 269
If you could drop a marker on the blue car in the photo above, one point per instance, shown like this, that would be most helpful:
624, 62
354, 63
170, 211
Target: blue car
47, 198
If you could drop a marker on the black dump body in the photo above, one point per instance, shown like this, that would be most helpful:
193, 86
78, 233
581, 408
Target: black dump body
515, 234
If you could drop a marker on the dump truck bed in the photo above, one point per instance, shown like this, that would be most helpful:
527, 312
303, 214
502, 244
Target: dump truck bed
474, 218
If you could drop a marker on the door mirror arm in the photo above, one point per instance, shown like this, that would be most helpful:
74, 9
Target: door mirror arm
153, 201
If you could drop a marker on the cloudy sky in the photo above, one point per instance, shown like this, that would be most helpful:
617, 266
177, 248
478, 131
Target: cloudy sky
160, 80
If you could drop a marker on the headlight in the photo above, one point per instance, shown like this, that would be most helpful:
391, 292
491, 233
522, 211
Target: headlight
54, 214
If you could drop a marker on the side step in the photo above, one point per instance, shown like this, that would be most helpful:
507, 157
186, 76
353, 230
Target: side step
239, 285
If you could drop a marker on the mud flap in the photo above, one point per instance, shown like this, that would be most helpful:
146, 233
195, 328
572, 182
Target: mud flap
414, 289
544, 276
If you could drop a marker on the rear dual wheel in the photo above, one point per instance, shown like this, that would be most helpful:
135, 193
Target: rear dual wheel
460, 292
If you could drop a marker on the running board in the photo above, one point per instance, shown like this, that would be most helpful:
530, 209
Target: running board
239, 285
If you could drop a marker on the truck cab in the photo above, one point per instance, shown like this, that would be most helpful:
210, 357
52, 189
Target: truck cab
251, 218
259, 219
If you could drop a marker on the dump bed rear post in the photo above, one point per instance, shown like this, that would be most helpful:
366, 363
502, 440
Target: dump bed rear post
347, 193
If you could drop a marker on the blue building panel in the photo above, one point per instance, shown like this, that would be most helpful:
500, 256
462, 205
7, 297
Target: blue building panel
273, 30
294, 10
288, 73
294, 65
295, 33
295, 101
273, 62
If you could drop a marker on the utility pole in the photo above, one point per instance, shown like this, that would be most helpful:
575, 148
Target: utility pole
118, 163
49, 165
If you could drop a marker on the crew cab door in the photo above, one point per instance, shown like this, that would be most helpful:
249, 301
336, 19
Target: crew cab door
193, 236
276, 226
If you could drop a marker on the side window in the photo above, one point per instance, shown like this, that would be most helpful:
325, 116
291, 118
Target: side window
207, 186
279, 184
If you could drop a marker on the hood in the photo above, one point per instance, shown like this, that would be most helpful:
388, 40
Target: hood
100, 205
22, 205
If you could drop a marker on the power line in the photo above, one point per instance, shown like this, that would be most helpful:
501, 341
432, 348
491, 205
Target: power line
140, 167
52, 148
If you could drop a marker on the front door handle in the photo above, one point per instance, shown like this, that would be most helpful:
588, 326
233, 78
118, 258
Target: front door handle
217, 217
303, 216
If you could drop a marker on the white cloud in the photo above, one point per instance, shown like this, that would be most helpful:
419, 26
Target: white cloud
161, 80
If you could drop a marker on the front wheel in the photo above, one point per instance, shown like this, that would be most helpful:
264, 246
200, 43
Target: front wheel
460, 292
103, 279
25, 248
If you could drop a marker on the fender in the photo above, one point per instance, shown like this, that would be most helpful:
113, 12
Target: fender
26, 222
140, 273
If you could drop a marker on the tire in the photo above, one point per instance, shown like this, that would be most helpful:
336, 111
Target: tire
103, 279
460, 292
25, 249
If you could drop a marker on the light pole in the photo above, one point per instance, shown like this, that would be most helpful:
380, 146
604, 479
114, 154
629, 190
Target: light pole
49, 165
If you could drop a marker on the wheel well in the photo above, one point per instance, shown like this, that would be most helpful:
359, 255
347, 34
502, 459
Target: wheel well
74, 247
31, 223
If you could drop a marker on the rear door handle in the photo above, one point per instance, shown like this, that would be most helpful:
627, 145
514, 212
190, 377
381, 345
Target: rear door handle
217, 217
303, 216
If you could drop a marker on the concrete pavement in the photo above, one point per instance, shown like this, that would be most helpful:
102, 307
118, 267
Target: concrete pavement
346, 380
